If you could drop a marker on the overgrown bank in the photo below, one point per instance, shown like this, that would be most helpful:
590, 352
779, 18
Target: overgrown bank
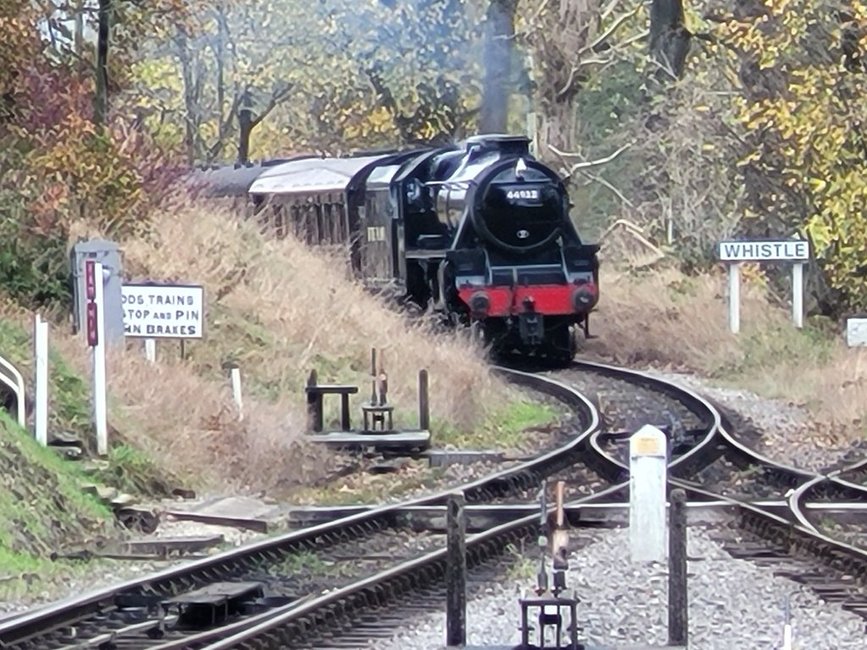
277, 310
663, 319
42, 511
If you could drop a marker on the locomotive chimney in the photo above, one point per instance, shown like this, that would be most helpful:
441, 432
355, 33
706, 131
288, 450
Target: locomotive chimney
514, 145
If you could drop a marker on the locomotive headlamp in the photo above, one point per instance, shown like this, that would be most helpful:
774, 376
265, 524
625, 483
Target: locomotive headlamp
584, 296
480, 303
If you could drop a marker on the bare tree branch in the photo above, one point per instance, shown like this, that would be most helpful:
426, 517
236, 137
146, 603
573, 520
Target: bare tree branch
277, 97
599, 40
595, 178
586, 164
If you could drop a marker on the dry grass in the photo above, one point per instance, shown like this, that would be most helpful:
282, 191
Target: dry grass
278, 310
658, 317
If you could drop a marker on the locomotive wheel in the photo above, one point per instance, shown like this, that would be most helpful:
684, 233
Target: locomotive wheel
561, 344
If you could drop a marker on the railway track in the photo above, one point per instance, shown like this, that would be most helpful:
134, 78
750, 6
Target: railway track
228, 591
265, 595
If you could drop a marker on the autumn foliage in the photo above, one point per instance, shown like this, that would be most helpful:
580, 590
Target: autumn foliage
57, 166
804, 113
761, 134
760, 131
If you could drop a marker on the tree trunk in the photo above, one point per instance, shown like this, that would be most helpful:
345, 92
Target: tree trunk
669, 38
499, 39
191, 117
100, 109
559, 124
559, 42
245, 127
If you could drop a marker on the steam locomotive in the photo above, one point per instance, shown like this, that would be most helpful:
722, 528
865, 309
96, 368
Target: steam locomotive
478, 232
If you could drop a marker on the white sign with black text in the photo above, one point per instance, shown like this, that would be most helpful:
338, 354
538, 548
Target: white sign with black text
164, 311
795, 251
764, 251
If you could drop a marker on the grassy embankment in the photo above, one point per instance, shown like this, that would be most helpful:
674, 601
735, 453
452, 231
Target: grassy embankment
277, 310
42, 510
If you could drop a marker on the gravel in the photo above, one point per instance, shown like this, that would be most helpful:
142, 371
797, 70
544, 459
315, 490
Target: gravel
788, 434
733, 604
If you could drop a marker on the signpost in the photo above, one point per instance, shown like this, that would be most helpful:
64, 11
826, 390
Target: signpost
164, 311
95, 293
734, 253
856, 332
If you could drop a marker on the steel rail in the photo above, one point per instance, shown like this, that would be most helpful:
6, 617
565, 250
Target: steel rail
371, 588
716, 442
281, 625
794, 532
527, 474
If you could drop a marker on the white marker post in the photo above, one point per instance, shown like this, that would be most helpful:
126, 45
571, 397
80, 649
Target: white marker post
236, 391
856, 332
40, 415
95, 286
796, 251
151, 350
787, 625
648, 522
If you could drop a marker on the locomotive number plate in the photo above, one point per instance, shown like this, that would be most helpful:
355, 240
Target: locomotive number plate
522, 194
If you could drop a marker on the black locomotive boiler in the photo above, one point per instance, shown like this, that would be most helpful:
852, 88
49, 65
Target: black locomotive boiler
479, 232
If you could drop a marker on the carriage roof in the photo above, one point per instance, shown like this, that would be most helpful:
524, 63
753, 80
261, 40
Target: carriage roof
312, 175
233, 180
223, 181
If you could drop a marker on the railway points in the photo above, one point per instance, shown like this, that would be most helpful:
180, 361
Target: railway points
762, 514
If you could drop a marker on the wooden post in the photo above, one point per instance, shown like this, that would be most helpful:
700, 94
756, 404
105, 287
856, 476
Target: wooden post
678, 603
456, 571
373, 376
345, 424
236, 391
559, 538
315, 413
423, 401
798, 294
151, 350
734, 297
100, 409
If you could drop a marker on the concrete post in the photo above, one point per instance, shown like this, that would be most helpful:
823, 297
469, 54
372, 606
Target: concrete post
648, 463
